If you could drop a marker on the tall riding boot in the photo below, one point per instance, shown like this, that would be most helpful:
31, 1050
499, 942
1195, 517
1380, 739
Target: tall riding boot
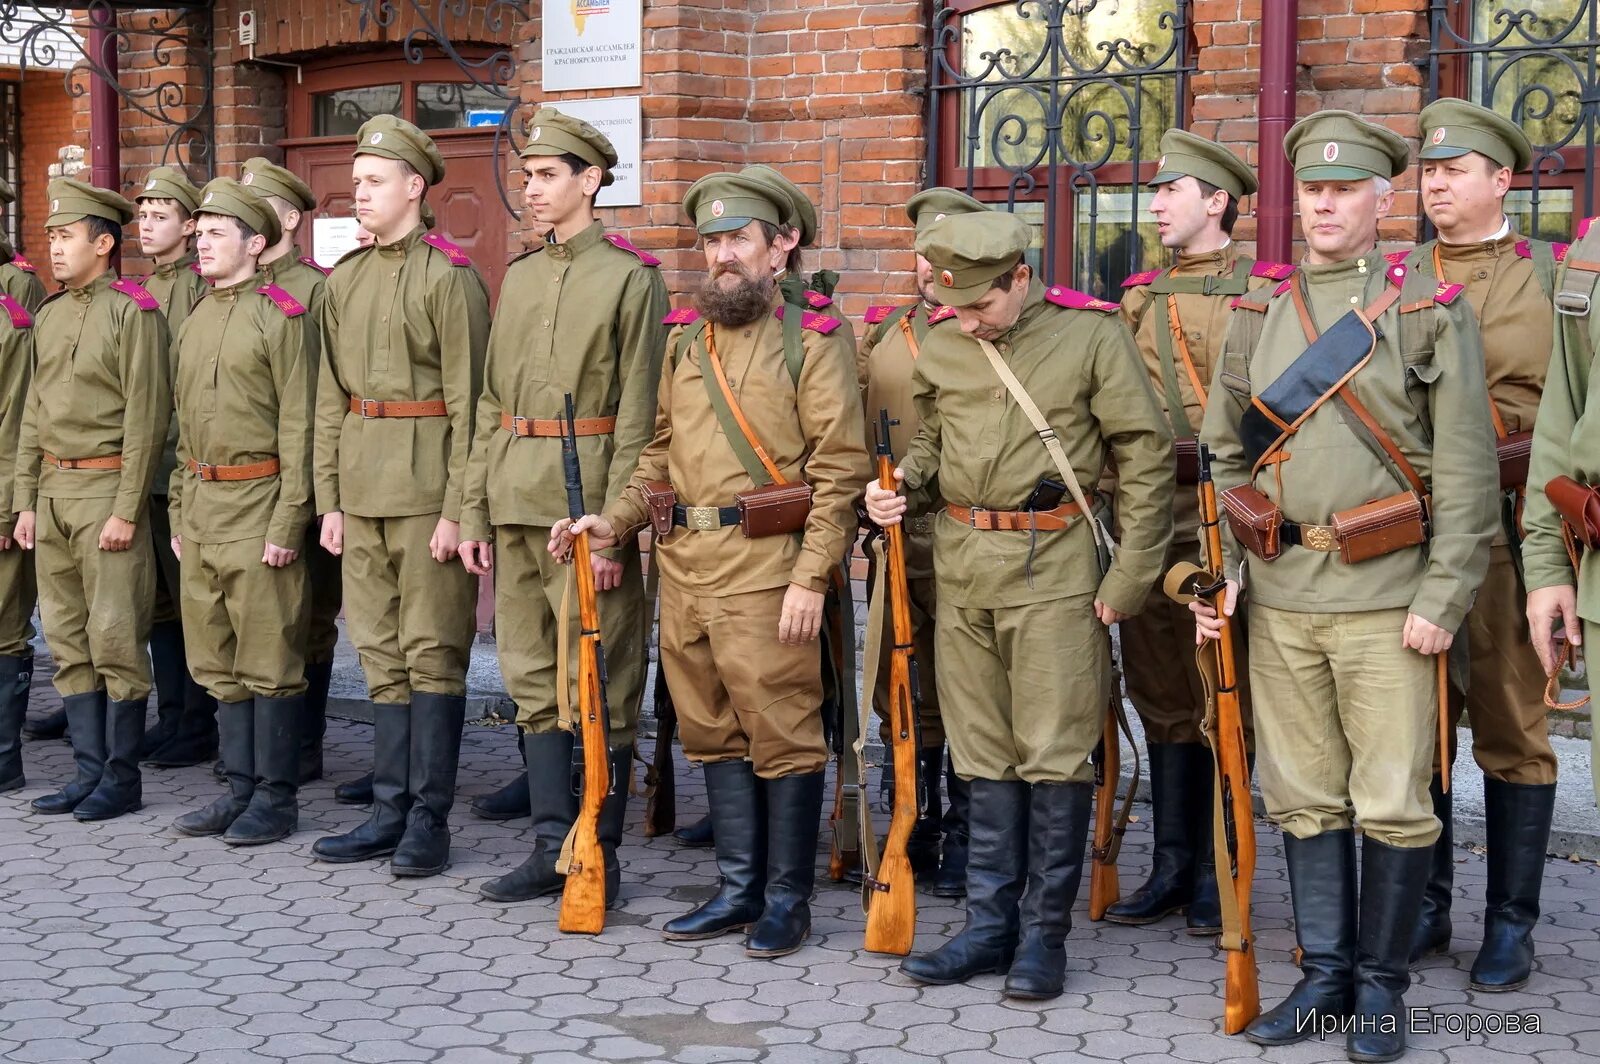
86, 716
554, 804
355, 792
697, 834
951, 880
1203, 914
193, 737
168, 670
1432, 932
236, 735
739, 826
274, 811
51, 724
1322, 890
1392, 881
510, 801
391, 762
794, 811
997, 867
1058, 831
119, 790
1172, 863
927, 833
1518, 822
314, 720
436, 722
16, 676
613, 816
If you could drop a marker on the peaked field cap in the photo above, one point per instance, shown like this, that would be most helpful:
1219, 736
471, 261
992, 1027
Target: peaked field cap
968, 251
723, 202
395, 138
1185, 155
226, 196
550, 132
267, 178
168, 182
1340, 145
1452, 128
72, 200
932, 204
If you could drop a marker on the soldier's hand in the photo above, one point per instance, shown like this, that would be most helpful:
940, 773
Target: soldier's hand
116, 534
477, 557
1546, 606
278, 557
177, 547
564, 531
801, 619
332, 535
1425, 637
1108, 615
23, 532
607, 573
883, 506
5, 542
446, 540
1206, 623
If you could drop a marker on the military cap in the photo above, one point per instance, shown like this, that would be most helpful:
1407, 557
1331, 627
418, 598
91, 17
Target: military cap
232, 198
269, 179
723, 202
1456, 127
72, 200
395, 138
968, 251
168, 182
552, 133
8, 194
1185, 155
932, 204
800, 213
1339, 145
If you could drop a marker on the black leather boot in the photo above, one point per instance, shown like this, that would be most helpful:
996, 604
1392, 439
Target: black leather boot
794, 812
951, 879
314, 720
119, 790
1172, 863
739, 824
436, 722
554, 805
997, 867
1203, 914
927, 834
391, 761
236, 737
613, 817
510, 801
1322, 889
274, 811
1518, 822
16, 677
1433, 930
87, 714
697, 834
49, 725
1058, 831
168, 670
356, 792
1392, 881
192, 737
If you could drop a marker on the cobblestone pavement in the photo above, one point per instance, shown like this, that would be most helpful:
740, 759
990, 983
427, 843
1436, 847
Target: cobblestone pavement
124, 942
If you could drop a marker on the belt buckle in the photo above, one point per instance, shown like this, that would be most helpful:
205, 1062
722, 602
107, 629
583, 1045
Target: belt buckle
1572, 304
371, 408
1318, 537
520, 426
701, 518
205, 470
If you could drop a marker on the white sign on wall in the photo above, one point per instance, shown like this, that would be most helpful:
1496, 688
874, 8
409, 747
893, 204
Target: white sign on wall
618, 117
591, 44
332, 239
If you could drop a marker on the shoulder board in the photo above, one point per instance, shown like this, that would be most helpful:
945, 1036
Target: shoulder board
682, 316
875, 315
942, 314
22, 264
142, 299
817, 323
285, 302
456, 256
20, 318
1447, 293
1559, 251
194, 268
816, 300
1280, 290
1073, 299
621, 244
1397, 274
307, 260
1275, 271
1139, 279
1398, 257
1524, 249
1583, 229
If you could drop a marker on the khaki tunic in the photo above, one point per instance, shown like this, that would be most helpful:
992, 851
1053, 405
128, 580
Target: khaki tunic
17, 591
586, 320
1025, 670
401, 322
100, 387
1426, 371
739, 692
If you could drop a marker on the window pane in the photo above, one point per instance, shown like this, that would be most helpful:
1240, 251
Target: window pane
1539, 70
457, 105
1109, 242
1557, 212
340, 113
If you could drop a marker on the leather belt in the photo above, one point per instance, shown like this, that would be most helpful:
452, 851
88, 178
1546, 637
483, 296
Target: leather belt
110, 461
253, 471
371, 408
1015, 520
1311, 537
705, 518
537, 426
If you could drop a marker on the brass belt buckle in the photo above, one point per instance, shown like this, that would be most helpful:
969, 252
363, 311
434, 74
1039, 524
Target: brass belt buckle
371, 408
701, 518
1318, 537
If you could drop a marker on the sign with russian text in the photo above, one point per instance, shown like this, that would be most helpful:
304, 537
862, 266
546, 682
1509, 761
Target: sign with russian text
618, 117
591, 44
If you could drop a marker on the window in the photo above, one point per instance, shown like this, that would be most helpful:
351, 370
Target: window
1055, 108
10, 159
342, 112
1534, 61
458, 105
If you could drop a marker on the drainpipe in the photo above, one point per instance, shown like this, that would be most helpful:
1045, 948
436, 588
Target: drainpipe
105, 106
1275, 200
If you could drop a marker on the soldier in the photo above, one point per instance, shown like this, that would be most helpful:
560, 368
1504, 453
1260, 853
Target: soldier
1025, 599
741, 608
404, 323
20, 296
241, 500
282, 264
186, 717
884, 364
1468, 156
1355, 589
588, 323
90, 442
1178, 316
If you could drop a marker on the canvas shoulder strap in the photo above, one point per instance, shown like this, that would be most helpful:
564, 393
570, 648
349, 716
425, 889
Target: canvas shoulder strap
746, 445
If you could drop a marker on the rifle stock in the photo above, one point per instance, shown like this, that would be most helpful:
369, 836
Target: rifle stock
1104, 888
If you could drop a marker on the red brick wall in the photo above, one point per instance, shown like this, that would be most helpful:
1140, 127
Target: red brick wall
47, 127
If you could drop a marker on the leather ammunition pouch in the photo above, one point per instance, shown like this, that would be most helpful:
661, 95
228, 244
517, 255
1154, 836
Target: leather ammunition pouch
1255, 520
1186, 453
774, 510
659, 498
1380, 527
1579, 507
1512, 453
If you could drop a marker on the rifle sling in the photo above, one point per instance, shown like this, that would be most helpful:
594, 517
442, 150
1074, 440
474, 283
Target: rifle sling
877, 608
